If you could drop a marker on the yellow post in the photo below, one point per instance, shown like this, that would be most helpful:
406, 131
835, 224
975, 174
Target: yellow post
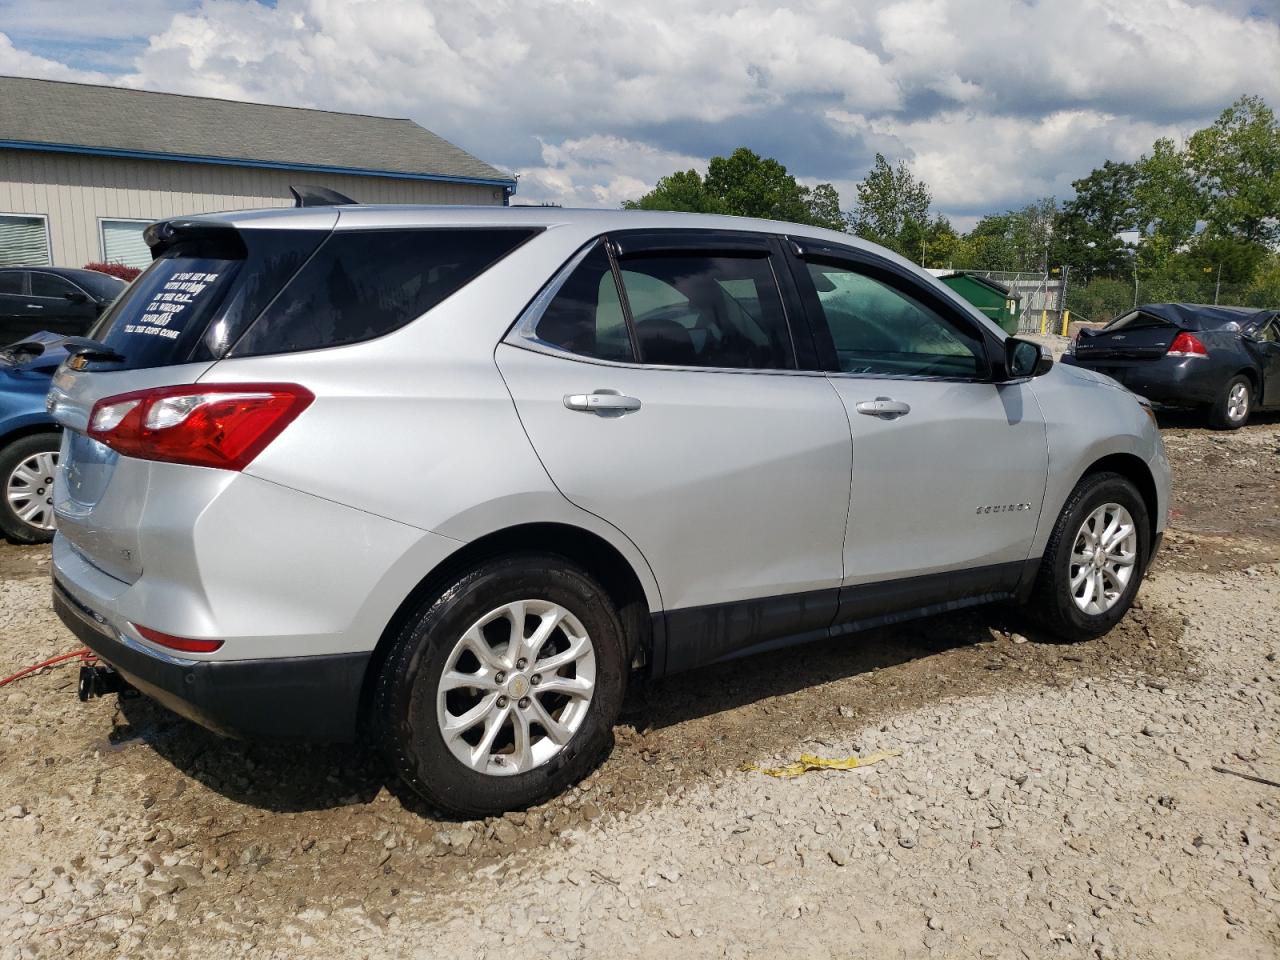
1066, 320
1044, 321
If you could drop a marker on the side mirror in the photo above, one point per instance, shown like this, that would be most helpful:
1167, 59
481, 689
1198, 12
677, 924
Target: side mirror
76, 296
1023, 358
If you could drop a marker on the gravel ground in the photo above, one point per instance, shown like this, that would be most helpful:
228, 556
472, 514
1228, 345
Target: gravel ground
1049, 800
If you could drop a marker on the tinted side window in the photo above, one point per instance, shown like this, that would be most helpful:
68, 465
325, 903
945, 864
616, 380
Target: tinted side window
880, 330
585, 316
363, 284
47, 285
11, 281
707, 311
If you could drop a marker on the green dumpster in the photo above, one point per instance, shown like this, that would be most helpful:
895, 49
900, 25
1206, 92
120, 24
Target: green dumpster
994, 299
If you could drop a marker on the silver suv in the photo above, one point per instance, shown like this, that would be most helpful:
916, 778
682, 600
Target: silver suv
445, 478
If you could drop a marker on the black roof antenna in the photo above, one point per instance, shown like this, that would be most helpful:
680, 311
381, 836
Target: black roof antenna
305, 196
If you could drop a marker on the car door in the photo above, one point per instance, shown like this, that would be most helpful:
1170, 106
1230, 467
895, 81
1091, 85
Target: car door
658, 379
949, 468
61, 306
1266, 340
15, 315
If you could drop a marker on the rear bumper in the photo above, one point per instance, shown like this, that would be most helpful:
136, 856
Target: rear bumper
1176, 381
293, 698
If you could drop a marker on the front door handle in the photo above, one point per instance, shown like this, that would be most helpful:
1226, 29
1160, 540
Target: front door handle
35, 306
884, 407
606, 403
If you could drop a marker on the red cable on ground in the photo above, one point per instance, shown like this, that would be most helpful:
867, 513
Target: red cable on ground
84, 655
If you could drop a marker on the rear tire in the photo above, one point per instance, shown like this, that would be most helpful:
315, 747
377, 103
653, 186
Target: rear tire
26, 487
1061, 599
1234, 404
544, 741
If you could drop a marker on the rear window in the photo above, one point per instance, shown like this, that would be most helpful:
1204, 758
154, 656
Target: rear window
196, 299
364, 284
1137, 321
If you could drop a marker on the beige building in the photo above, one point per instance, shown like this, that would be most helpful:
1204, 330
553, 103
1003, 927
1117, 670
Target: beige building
84, 169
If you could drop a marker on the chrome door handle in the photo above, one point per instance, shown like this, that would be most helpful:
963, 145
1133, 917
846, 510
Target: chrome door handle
35, 306
604, 402
884, 407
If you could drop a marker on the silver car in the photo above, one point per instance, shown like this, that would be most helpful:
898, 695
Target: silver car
445, 478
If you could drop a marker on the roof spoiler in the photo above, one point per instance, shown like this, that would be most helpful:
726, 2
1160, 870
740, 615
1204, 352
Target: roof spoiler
306, 196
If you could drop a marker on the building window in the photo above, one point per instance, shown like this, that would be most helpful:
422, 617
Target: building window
122, 243
24, 240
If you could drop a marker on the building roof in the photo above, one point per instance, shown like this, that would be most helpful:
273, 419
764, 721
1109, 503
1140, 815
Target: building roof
114, 121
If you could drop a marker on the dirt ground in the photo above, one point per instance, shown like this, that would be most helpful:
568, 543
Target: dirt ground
1048, 799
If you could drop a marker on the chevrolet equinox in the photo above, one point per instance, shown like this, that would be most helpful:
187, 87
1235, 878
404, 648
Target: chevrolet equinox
445, 478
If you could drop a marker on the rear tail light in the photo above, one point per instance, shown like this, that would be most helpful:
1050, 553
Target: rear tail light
221, 425
1185, 345
183, 644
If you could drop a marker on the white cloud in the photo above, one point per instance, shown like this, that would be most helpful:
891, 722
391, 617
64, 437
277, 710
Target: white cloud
598, 171
994, 102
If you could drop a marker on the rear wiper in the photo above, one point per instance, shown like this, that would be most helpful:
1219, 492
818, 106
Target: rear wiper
91, 350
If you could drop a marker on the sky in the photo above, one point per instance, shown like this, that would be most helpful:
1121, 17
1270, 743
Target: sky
994, 103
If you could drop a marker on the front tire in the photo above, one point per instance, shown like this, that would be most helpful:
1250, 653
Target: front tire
503, 690
27, 468
1234, 404
1095, 559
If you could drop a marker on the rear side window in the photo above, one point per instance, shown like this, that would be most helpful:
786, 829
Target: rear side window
707, 311
363, 284
11, 281
47, 285
585, 317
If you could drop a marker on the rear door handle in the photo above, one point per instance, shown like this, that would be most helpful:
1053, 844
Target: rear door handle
603, 402
884, 407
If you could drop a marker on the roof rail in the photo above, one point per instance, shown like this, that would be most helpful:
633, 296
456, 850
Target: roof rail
308, 196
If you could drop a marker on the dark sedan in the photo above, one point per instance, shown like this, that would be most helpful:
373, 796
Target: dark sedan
1224, 360
57, 299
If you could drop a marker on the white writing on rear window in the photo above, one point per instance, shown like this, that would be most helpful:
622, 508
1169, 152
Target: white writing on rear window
160, 317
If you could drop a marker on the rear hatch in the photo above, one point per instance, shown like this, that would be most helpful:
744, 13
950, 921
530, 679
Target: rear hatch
209, 281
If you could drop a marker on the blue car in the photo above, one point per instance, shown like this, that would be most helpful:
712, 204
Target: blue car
29, 439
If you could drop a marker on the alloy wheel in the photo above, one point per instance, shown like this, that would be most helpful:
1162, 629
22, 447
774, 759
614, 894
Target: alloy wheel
516, 687
29, 490
1103, 558
1238, 402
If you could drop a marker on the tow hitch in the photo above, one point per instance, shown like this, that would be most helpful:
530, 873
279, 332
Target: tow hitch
99, 681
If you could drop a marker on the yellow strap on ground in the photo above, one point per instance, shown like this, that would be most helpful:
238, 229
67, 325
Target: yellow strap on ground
809, 762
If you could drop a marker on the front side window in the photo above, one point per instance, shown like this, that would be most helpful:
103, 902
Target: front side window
707, 311
879, 330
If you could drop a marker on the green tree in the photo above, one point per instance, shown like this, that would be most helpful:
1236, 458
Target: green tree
892, 208
1087, 226
1235, 164
683, 190
745, 184
1264, 289
1168, 204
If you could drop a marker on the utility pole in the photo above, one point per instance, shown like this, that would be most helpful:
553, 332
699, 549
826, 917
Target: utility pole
1217, 287
1135, 278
